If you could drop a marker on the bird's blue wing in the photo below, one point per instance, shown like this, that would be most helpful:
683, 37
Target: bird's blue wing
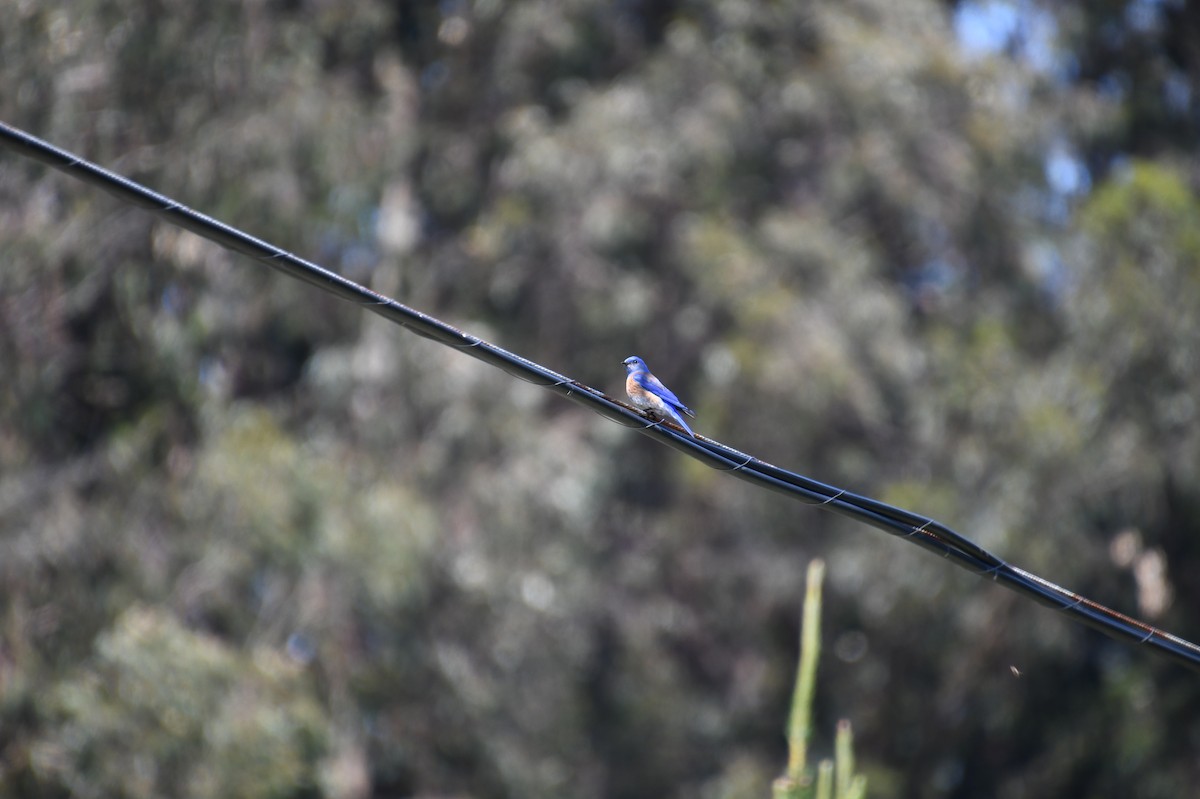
656, 387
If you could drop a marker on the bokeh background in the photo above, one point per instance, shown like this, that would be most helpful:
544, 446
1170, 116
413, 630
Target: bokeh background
256, 542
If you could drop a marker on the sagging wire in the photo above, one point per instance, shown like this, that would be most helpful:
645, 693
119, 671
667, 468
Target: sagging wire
922, 531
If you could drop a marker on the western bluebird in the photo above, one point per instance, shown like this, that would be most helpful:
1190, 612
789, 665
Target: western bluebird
648, 393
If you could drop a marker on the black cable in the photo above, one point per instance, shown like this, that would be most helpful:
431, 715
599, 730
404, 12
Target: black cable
922, 531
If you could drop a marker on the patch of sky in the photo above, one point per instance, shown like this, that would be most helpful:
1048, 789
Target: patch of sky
1145, 16
1065, 172
1067, 178
1018, 28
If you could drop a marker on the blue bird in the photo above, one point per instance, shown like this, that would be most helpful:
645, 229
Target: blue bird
649, 394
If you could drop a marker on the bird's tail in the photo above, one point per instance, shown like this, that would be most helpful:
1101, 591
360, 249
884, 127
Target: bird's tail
677, 419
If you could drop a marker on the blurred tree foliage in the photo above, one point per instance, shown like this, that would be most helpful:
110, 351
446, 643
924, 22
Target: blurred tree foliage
255, 542
165, 712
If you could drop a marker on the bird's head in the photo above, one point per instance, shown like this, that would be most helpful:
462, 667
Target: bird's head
634, 364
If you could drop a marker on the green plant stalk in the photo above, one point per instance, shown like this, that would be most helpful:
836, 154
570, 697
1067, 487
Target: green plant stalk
843, 753
799, 730
825, 772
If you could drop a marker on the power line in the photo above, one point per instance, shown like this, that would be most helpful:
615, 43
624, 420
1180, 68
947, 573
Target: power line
920, 530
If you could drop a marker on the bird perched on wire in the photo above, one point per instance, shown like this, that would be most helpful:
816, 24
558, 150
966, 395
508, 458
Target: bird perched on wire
649, 394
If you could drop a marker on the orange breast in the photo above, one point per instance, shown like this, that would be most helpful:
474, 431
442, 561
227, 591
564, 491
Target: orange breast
638, 395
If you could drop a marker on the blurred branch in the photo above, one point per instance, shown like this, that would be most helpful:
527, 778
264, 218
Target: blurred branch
922, 531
